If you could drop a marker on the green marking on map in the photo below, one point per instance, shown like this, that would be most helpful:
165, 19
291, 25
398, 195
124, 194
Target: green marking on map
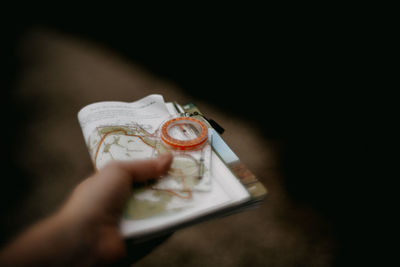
142, 208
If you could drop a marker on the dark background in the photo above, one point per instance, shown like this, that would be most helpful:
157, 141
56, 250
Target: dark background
299, 81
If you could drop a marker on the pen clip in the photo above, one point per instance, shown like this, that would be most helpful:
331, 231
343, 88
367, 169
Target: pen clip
212, 122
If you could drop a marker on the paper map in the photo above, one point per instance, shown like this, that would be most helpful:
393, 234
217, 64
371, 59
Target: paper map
128, 131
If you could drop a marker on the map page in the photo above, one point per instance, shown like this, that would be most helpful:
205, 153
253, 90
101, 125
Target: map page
129, 131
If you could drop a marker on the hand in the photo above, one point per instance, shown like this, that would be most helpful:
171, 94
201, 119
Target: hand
85, 230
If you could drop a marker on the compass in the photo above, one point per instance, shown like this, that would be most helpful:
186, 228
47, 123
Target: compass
184, 133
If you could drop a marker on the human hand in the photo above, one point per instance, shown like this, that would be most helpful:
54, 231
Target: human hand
85, 230
97, 203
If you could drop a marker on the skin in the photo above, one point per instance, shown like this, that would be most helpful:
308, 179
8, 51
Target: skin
84, 232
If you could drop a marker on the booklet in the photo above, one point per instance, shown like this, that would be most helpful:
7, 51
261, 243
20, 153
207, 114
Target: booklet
206, 179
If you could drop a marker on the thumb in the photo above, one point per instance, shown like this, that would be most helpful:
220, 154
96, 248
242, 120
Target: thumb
139, 171
113, 183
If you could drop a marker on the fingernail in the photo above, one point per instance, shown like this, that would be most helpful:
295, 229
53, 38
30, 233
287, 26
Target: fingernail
165, 155
165, 158
164, 163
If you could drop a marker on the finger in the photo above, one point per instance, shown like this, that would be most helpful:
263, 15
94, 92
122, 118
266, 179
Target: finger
112, 184
147, 169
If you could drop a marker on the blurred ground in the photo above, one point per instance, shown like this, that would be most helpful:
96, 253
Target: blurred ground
61, 73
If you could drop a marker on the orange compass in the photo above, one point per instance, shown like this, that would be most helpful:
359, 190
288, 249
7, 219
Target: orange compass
184, 133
